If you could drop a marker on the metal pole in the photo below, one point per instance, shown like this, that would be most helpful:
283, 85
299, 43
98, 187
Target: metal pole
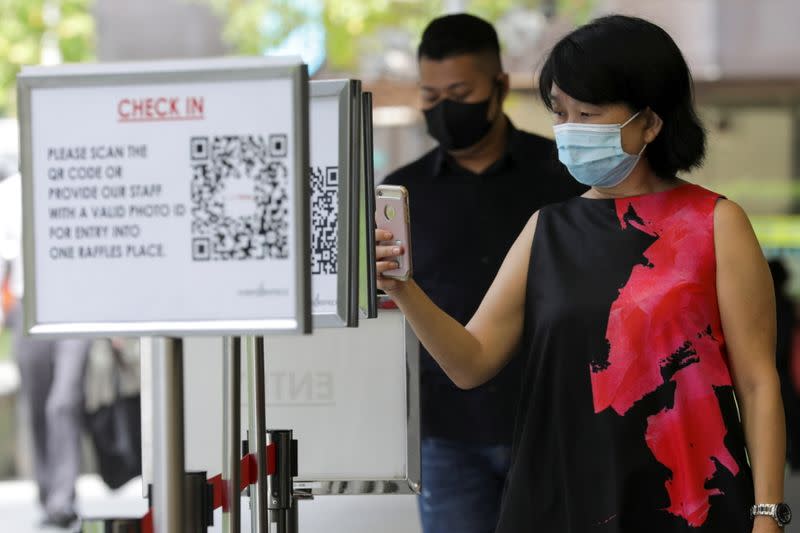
198, 501
232, 415
294, 515
279, 484
168, 460
258, 431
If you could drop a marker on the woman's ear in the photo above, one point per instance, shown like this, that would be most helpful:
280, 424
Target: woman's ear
653, 126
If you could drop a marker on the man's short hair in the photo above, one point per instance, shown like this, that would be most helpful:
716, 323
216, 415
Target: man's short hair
460, 34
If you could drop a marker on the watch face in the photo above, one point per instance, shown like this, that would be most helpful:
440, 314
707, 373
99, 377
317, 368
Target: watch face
784, 513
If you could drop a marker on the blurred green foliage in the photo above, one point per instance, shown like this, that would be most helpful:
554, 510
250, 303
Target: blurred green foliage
22, 26
347, 22
244, 22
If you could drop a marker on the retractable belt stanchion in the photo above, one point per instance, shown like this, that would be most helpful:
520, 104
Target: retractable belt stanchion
280, 482
283, 497
254, 347
168, 438
232, 454
198, 502
192, 494
273, 502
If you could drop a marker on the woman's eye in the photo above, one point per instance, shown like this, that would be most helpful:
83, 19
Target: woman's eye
585, 114
559, 113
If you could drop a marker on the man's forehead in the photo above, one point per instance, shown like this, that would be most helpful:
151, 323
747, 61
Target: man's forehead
461, 62
449, 71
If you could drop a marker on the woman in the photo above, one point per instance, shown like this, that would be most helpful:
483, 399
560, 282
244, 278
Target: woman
644, 310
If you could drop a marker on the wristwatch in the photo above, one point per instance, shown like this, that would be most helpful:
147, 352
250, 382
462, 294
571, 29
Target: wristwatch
780, 512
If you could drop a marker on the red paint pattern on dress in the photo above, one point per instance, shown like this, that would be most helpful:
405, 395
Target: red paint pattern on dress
665, 307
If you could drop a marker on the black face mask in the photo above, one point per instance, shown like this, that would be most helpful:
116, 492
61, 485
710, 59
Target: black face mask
458, 125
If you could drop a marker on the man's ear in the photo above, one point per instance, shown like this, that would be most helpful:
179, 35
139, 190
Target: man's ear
504, 83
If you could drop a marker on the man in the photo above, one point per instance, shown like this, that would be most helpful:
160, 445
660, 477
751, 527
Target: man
52, 373
469, 199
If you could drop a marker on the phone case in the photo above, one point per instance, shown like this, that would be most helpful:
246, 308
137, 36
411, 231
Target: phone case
392, 214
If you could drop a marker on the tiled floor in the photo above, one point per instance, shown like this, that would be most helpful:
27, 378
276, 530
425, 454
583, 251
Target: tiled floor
19, 511
331, 514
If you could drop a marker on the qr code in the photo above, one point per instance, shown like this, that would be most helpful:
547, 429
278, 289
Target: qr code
239, 198
324, 221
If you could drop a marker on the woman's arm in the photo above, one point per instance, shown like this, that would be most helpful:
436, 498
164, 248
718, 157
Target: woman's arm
747, 307
469, 355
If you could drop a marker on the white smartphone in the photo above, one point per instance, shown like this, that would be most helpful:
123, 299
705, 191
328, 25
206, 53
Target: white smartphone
392, 214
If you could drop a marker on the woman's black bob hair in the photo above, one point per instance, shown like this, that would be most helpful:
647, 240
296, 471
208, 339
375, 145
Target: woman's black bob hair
619, 59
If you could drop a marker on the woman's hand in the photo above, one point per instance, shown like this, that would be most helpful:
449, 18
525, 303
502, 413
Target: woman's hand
385, 257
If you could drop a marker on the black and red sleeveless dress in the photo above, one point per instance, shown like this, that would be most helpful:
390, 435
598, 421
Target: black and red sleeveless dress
628, 420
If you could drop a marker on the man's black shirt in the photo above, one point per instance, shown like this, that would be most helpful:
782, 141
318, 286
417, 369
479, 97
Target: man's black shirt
462, 226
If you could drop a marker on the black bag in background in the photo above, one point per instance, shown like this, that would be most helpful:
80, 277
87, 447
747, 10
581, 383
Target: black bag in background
116, 433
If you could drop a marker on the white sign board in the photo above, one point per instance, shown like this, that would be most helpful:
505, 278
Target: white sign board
336, 131
351, 397
348, 403
166, 198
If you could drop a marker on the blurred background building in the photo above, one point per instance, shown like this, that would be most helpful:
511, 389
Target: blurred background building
743, 55
741, 52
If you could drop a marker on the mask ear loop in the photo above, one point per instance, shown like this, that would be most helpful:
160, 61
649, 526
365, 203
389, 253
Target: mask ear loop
628, 122
630, 119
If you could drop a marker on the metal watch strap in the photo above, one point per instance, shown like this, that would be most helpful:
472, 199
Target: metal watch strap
780, 512
765, 509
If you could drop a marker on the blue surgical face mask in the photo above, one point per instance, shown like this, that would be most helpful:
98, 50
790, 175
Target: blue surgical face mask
593, 153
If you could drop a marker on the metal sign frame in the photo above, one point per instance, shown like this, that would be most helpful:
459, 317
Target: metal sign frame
171, 72
368, 296
348, 93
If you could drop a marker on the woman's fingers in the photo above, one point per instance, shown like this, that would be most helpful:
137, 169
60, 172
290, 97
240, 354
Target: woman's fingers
385, 247
382, 252
383, 235
385, 266
388, 284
